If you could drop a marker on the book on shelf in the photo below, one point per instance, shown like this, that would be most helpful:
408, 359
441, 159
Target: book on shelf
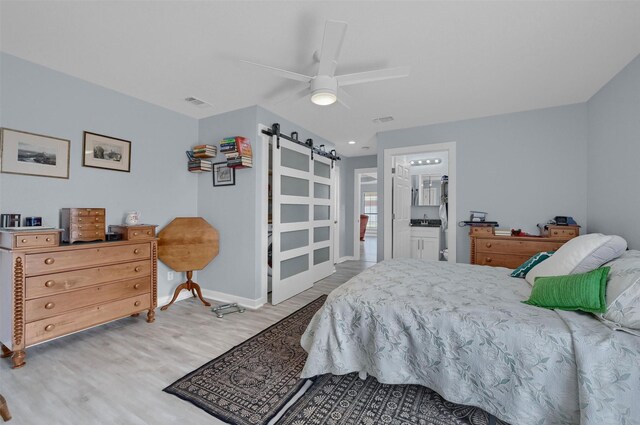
237, 151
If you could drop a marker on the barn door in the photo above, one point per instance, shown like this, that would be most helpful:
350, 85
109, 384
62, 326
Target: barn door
302, 250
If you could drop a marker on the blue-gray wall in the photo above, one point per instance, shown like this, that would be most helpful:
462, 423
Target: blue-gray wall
39, 100
613, 197
522, 168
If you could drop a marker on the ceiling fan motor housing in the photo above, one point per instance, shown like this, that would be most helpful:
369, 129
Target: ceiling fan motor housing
324, 90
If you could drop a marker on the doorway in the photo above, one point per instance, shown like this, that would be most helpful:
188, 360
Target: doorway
405, 155
365, 203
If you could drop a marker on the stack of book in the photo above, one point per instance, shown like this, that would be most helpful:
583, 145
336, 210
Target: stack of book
198, 165
500, 231
238, 152
205, 151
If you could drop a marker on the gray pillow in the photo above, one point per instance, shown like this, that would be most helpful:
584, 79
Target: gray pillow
623, 293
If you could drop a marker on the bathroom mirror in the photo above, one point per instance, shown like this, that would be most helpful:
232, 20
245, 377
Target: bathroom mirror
425, 190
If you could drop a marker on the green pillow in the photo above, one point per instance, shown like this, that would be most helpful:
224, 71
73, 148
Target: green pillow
585, 291
531, 263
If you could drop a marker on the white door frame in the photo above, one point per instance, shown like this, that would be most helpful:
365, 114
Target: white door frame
450, 147
357, 177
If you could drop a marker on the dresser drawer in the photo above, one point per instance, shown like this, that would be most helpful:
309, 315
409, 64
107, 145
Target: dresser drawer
501, 260
50, 284
511, 245
87, 219
88, 235
481, 230
72, 259
87, 212
563, 232
52, 327
53, 305
87, 227
37, 240
137, 232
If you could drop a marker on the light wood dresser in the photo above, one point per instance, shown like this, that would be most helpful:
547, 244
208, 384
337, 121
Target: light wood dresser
488, 249
50, 291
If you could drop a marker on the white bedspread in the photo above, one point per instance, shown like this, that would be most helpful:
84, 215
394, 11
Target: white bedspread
462, 331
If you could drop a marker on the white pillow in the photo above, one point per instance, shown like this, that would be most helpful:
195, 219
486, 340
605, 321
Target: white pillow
580, 255
623, 293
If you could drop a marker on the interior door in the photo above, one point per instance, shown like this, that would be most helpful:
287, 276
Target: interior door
401, 212
302, 218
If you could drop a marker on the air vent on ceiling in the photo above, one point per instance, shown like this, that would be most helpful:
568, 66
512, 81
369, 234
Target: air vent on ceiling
198, 102
383, 119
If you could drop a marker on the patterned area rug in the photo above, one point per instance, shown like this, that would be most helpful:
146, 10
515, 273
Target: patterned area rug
250, 383
346, 400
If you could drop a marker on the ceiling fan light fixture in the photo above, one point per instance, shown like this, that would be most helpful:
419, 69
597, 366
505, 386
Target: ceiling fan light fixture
323, 97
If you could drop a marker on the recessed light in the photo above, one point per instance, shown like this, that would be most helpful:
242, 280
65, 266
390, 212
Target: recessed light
428, 161
419, 162
412, 162
352, 142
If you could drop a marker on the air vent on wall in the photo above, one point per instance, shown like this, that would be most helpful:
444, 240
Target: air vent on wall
383, 119
198, 102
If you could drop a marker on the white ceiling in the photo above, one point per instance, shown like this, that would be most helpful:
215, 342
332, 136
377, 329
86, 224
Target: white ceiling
468, 59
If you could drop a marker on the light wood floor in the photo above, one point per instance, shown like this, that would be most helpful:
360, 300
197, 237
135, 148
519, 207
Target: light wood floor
114, 374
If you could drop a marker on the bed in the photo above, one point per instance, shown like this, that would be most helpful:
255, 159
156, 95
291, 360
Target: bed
462, 331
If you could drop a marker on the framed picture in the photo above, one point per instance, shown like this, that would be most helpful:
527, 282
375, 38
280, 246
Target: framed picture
34, 154
223, 175
99, 151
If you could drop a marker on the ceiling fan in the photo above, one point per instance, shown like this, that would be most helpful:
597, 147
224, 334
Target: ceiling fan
326, 87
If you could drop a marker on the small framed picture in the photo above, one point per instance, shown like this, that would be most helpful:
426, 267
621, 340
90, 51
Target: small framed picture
34, 154
101, 151
223, 175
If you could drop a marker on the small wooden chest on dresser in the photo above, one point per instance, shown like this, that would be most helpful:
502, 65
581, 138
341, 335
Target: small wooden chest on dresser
48, 292
134, 232
488, 249
82, 224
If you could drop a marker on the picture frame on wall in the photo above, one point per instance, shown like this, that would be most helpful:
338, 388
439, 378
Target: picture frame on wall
34, 154
110, 153
223, 175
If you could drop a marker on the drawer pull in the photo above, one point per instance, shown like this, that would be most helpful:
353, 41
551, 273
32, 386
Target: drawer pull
48, 240
24, 241
488, 259
137, 269
79, 218
135, 233
49, 306
488, 244
148, 232
137, 303
49, 261
136, 286
49, 283
136, 251
49, 328
97, 219
555, 232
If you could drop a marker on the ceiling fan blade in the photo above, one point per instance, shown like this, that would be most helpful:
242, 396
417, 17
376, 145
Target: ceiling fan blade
282, 72
334, 32
293, 97
344, 98
370, 76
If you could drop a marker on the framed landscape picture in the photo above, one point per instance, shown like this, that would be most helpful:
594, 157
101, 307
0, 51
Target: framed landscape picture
34, 154
223, 175
101, 151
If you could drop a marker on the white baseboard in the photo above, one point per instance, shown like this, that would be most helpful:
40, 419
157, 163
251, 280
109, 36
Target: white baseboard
218, 296
346, 258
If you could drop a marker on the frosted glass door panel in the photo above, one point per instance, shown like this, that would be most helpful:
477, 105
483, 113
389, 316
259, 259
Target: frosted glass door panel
296, 160
321, 169
321, 234
294, 266
293, 240
294, 213
321, 212
321, 255
321, 191
294, 186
